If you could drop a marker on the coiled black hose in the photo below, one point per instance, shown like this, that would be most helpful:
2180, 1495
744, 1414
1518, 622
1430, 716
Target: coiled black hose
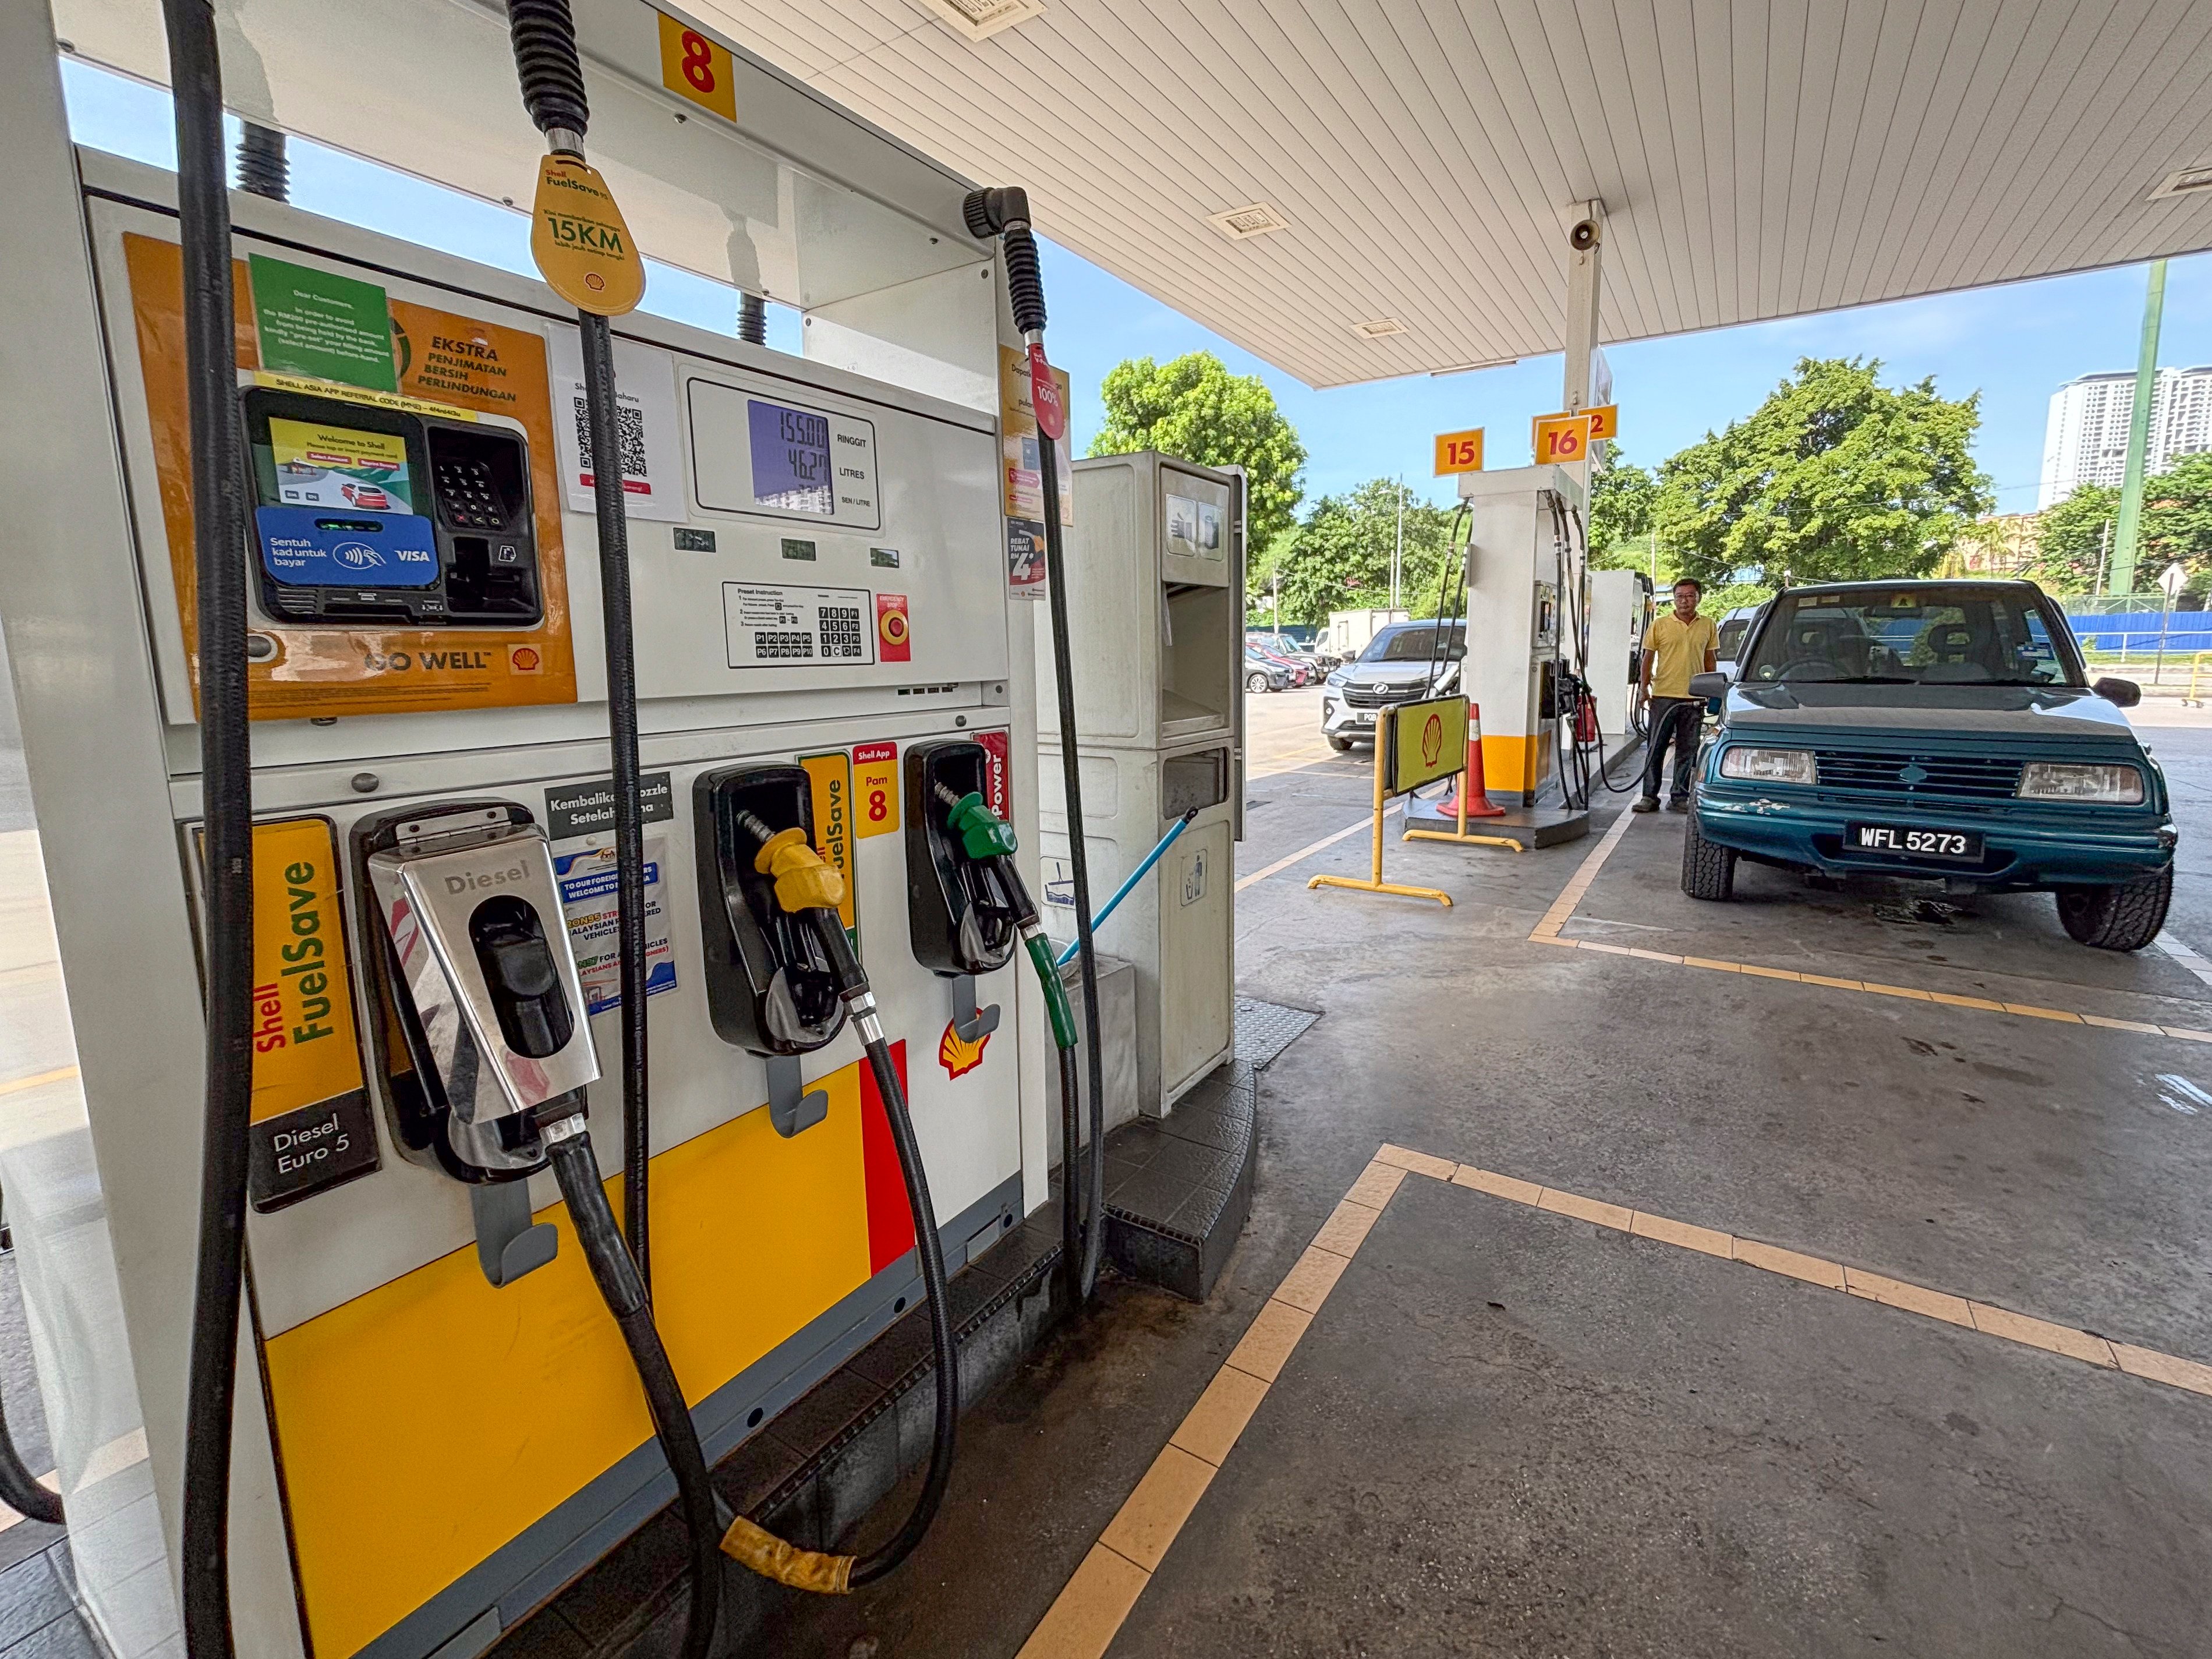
18, 1489
1005, 213
622, 740
752, 318
623, 1291
946, 1428
218, 482
551, 77
263, 167
545, 61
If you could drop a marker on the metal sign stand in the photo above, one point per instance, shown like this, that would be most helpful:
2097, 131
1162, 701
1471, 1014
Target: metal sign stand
1388, 783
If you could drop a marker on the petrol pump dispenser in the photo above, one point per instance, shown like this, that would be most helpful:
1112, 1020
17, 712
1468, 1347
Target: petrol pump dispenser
819, 588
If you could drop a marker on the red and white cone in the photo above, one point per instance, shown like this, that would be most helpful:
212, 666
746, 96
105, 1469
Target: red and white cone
1477, 796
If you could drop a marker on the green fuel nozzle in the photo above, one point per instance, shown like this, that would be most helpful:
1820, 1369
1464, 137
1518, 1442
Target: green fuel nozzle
988, 839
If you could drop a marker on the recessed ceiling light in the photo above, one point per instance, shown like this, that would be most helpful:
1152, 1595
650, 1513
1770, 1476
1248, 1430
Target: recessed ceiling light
1378, 328
1257, 219
2187, 182
979, 20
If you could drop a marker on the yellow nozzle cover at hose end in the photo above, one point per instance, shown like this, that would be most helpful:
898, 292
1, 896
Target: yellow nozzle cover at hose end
770, 1556
804, 879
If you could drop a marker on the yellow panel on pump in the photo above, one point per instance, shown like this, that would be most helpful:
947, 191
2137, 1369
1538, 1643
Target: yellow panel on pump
426, 1424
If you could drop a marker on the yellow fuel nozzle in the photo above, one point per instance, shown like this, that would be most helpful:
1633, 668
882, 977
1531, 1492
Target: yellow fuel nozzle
804, 879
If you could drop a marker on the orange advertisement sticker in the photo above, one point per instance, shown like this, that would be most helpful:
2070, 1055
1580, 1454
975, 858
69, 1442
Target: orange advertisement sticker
447, 365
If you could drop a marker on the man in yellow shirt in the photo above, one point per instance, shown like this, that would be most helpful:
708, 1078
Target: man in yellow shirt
1678, 645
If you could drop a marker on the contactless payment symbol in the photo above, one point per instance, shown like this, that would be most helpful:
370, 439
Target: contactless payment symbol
894, 636
357, 555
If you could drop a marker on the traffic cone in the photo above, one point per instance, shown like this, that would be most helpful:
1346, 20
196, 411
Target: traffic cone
1478, 797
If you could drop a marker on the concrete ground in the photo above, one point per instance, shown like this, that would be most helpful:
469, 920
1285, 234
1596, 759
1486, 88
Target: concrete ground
1514, 1431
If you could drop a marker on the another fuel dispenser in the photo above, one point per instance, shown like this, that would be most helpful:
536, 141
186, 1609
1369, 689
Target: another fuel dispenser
1523, 601
1156, 575
1621, 604
437, 1424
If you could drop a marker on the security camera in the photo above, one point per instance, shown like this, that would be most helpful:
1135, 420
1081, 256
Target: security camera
1584, 236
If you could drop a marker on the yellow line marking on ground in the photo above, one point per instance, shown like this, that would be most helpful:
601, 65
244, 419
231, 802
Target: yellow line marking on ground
16, 1086
1280, 865
1870, 987
1579, 883
1570, 898
1093, 1605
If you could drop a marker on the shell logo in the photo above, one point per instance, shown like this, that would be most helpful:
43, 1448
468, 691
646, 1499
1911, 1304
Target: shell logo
524, 659
957, 1054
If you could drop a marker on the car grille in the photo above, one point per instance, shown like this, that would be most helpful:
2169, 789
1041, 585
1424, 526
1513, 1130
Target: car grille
1877, 772
1375, 697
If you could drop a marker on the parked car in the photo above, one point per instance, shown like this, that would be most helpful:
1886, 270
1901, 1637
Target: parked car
1263, 673
1940, 731
1401, 663
1733, 629
1284, 649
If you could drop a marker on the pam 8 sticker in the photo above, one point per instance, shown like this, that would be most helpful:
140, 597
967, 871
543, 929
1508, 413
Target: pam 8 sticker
957, 1054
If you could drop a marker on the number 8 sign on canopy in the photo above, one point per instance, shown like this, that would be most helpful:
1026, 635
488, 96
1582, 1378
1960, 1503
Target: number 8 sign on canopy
694, 67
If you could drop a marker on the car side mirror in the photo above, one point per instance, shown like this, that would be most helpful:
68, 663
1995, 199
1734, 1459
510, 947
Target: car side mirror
2121, 694
1709, 686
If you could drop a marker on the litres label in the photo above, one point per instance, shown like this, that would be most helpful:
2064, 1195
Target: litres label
694, 67
774, 627
581, 245
876, 788
312, 1127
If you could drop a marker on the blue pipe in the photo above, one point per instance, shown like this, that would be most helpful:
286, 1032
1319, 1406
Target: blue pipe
1135, 876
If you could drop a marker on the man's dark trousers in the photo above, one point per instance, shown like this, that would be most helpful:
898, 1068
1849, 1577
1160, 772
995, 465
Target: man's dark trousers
1682, 720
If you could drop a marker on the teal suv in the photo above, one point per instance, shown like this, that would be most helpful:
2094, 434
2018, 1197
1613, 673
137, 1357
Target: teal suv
1937, 731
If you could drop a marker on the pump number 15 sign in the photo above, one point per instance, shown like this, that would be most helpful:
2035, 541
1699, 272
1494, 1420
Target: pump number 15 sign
1459, 451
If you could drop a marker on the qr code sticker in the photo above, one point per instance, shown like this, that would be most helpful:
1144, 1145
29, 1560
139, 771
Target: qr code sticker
629, 430
769, 646
840, 627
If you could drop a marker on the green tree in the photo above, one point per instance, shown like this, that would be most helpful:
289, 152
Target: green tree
1338, 558
1193, 407
1621, 498
1835, 478
2071, 541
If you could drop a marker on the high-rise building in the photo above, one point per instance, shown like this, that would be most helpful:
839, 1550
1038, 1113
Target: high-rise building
2087, 439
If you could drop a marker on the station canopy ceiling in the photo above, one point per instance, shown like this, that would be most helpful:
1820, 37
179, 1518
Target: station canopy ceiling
1350, 189
1756, 158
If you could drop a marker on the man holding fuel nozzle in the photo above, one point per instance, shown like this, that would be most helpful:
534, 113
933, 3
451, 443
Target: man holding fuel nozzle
1676, 646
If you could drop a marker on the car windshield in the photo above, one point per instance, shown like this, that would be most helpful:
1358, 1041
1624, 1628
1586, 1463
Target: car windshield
1732, 637
1968, 634
1416, 642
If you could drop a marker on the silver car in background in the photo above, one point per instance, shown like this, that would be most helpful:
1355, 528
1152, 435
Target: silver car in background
1402, 663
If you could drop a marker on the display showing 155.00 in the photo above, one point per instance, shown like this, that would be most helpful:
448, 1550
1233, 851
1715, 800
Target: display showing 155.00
790, 459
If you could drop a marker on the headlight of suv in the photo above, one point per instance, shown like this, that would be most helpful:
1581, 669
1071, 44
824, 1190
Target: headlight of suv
1337, 679
2119, 785
1769, 765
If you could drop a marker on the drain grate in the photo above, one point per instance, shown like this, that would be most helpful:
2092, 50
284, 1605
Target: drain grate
1264, 1029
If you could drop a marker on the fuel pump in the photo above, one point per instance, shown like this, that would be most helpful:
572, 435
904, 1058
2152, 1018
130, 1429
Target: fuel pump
1005, 214
966, 904
782, 980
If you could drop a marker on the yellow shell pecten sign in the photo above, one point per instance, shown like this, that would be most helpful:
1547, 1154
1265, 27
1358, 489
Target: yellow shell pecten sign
582, 247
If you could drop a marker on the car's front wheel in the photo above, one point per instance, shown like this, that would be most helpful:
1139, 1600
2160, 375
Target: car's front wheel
1708, 868
1342, 745
1256, 683
2124, 916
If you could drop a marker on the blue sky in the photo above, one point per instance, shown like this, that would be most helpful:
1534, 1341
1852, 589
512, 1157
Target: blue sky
2015, 344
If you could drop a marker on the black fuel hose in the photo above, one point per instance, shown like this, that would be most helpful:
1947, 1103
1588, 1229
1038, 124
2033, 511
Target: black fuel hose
623, 1289
753, 1545
551, 77
219, 520
18, 1489
1005, 213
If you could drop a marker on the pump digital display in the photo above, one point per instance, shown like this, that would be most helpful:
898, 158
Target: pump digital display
792, 470
340, 467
